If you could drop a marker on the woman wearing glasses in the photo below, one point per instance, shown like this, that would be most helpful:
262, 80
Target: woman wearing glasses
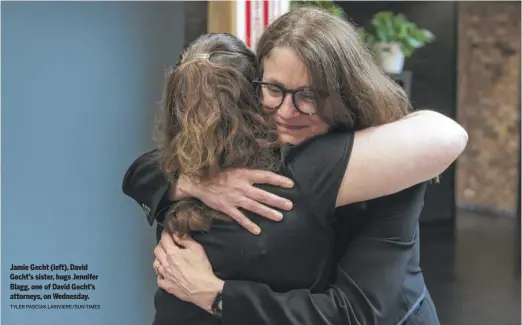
284, 275
274, 95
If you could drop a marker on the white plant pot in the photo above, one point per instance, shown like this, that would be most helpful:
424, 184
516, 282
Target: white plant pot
389, 57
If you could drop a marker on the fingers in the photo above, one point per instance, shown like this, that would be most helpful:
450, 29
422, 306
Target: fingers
260, 209
269, 199
167, 243
155, 265
186, 241
266, 177
161, 255
246, 223
160, 271
162, 283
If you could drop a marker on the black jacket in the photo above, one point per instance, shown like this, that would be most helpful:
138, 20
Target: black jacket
377, 280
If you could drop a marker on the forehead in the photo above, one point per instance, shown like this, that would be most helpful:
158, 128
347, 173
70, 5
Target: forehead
283, 65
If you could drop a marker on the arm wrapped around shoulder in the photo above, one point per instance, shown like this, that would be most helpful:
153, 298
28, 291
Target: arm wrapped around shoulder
392, 157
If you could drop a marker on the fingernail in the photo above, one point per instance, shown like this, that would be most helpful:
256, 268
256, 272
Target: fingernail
288, 205
256, 230
278, 216
290, 184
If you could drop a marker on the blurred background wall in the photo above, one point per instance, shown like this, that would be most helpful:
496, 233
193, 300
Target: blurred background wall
80, 83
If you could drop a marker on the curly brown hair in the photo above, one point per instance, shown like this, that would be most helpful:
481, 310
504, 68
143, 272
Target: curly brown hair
212, 121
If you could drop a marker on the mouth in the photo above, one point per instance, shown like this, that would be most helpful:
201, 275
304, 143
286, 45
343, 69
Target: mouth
290, 127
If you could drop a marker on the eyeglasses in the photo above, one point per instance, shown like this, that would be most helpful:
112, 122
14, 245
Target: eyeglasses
274, 95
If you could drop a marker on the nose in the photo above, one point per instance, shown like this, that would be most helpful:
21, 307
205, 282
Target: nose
287, 109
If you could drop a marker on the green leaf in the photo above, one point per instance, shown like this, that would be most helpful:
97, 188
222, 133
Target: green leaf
382, 35
390, 27
428, 35
414, 43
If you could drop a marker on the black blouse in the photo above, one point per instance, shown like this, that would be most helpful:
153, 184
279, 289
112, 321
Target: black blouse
296, 253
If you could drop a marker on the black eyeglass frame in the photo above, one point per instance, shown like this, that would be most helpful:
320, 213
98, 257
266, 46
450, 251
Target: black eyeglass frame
285, 92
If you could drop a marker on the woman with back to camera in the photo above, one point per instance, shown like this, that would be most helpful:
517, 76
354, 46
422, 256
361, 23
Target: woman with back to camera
320, 196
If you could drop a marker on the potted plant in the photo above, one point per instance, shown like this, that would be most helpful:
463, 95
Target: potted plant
393, 37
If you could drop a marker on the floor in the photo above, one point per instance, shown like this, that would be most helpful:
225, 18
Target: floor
471, 272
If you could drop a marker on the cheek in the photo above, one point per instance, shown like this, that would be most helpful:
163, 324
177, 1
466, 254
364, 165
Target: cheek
317, 126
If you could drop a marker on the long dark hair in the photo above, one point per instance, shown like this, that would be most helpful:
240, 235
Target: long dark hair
358, 93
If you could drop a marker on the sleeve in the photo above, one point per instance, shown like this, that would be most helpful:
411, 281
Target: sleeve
318, 166
146, 184
368, 282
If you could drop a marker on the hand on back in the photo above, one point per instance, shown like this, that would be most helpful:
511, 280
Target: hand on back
234, 189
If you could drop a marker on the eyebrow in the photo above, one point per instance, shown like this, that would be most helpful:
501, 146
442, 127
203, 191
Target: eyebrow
275, 82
